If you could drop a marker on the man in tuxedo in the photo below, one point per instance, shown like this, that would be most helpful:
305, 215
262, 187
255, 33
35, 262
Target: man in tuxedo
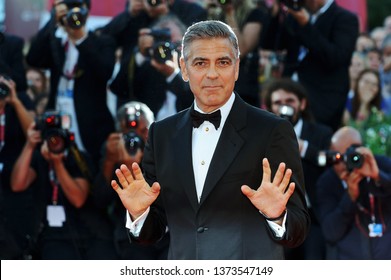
80, 64
288, 99
203, 178
319, 40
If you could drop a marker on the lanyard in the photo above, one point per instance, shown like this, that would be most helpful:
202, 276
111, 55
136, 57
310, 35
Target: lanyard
54, 183
69, 75
371, 213
2, 130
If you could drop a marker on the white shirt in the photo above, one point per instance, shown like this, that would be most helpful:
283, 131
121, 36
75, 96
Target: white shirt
65, 89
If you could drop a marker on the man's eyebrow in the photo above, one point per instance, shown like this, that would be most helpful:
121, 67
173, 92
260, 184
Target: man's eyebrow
199, 58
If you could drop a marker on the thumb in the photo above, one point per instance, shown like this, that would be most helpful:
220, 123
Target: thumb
155, 188
247, 191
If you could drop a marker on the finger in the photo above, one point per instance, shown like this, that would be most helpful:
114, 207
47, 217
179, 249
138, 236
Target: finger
138, 175
290, 190
285, 180
155, 187
127, 173
121, 176
115, 186
266, 170
279, 174
247, 191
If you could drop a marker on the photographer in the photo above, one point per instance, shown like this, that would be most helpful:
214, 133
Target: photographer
125, 146
16, 114
150, 73
354, 198
319, 38
51, 163
80, 64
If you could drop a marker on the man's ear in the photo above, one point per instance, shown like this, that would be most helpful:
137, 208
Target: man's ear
182, 64
303, 104
237, 69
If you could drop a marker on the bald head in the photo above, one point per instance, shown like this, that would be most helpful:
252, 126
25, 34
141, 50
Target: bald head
344, 137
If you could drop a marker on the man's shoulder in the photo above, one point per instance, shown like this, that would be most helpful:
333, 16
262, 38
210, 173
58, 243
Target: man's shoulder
341, 11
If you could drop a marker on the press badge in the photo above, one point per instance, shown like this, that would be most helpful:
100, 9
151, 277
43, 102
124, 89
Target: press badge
375, 230
55, 214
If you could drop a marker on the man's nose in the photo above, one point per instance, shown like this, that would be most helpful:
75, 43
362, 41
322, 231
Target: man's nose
212, 72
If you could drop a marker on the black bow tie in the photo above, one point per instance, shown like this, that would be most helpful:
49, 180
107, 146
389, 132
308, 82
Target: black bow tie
198, 118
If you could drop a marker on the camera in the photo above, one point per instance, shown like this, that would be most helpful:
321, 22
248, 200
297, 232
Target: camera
132, 140
154, 3
293, 4
162, 47
4, 91
351, 158
286, 112
76, 16
54, 128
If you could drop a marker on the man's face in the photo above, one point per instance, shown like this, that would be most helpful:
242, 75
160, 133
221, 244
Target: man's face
314, 5
211, 69
281, 97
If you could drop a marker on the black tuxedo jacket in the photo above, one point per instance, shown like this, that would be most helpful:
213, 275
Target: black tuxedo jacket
224, 224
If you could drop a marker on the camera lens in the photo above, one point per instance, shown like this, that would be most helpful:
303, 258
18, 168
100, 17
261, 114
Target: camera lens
133, 142
162, 52
4, 91
76, 17
353, 160
56, 140
154, 3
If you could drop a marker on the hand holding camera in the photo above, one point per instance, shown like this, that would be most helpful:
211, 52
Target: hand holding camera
72, 15
156, 44
54, 128
8, 90
297, 10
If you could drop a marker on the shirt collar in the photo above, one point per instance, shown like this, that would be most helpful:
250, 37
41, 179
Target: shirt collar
225, 109
322, 10
299, 127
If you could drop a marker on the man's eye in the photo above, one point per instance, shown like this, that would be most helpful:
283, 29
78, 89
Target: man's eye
199, 63
225, 62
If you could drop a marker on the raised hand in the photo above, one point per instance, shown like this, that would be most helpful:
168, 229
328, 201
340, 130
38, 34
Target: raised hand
135, 193
272, 195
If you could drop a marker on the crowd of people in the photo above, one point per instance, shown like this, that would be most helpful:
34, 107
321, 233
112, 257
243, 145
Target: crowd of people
70, 156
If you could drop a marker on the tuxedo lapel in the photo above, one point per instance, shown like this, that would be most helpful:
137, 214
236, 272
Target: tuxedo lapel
183, 157
228, 146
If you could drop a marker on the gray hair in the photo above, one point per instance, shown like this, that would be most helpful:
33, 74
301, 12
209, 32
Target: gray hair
209, 29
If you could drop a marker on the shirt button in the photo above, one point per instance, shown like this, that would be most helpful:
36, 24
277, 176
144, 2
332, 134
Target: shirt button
207, 129
202, 162
201, 229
